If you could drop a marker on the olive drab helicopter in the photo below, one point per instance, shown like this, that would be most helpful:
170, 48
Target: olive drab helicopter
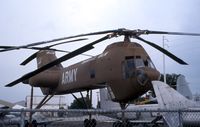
123, 67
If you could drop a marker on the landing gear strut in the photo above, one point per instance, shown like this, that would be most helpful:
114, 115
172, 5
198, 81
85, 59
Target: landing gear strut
33, 123
88, 104
124, 122
90, 122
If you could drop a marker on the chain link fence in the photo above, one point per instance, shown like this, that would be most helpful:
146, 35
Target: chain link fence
99, 118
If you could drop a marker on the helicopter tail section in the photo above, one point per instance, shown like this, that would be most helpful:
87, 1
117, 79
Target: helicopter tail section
50, 77
46, 56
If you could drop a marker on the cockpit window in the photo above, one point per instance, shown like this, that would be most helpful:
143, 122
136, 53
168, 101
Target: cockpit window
131, 63
139, 63
149, 63
128, 67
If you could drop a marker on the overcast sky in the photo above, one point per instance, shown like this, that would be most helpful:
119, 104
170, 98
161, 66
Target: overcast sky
23, 22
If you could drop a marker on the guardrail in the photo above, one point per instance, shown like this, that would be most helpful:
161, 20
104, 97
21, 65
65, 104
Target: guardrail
99, 118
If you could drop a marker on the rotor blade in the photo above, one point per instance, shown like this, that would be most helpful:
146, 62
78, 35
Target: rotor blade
81, 39
30, 58
57, 61
8, 48
122, 31
48, 48
59, 39
37, 48
169, 33
163, 51
58, 50
33, 56
70, 52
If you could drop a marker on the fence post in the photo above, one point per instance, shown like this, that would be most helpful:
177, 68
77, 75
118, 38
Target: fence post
180, 118
22, 118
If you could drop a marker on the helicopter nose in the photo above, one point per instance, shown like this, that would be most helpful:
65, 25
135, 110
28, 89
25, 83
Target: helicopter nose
142, 77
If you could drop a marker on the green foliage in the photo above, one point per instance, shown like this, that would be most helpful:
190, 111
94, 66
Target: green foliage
61, 114
79, 104
171, 79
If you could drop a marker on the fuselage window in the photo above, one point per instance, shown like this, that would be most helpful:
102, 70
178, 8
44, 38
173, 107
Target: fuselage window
92, 73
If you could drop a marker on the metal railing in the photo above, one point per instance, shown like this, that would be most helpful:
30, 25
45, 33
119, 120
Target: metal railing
99, 118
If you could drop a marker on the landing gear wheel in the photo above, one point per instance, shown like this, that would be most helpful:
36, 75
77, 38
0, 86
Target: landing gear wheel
90, 123
93, 123
26, 123
117, 124
86, 123
34, 123
121, 124
128, 123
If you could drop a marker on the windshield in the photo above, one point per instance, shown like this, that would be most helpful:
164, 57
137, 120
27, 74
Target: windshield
139, 63
149, 63
131, 63
128, 67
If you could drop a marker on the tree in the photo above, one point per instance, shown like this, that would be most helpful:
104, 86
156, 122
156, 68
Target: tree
171, 79
61, 114
80, 104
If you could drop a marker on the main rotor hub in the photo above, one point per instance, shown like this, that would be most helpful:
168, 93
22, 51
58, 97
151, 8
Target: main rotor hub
127, 38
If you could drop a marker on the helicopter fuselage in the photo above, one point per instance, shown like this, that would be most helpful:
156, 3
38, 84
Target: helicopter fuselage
124, 68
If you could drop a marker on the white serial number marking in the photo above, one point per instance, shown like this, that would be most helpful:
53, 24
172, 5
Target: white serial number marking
69, 76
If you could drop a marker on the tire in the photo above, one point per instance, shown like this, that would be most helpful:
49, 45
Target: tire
86, 123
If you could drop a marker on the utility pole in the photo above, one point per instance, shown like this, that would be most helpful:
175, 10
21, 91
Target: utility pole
98, 100
164, 67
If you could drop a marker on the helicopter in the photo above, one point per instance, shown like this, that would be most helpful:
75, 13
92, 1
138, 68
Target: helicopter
123, 67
